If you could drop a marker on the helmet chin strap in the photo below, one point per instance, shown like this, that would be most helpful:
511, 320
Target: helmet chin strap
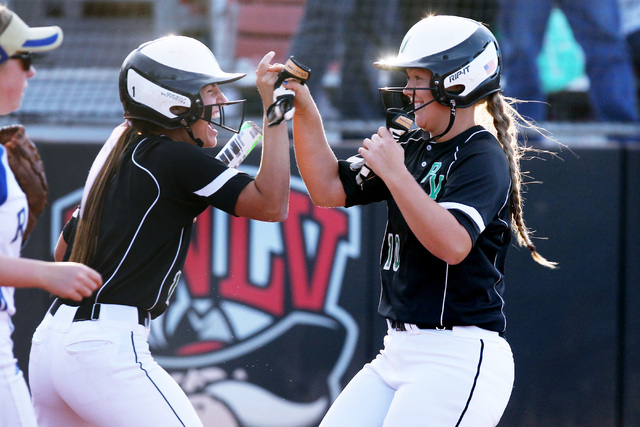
452, 116
187, 127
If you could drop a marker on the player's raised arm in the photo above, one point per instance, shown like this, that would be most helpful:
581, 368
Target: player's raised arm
267, 197
316, 161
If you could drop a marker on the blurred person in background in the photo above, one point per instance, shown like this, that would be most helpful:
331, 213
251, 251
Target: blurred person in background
596, 27
69, 280
630, 12
352, 33
484, 11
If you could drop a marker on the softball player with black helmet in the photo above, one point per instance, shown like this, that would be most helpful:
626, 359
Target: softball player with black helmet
452, 189
90, 362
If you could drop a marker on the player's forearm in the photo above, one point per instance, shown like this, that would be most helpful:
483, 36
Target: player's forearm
273, 177
434, 226
22, 272
316, 161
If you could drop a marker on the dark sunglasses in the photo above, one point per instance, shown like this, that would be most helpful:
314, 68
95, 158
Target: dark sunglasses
25, 57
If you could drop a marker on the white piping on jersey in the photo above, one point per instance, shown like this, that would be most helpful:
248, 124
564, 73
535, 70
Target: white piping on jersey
139, 225
504, 318
455, 159
468, 210
455, 156
444, 294
164, 280
477, 218
217, 183
475, 133
504, 205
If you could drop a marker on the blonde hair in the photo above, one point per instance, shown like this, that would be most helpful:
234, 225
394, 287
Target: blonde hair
501, 118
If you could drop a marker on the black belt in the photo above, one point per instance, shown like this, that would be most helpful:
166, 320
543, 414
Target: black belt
92, 312
400, 326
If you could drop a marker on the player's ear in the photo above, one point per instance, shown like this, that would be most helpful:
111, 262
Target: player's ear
178, 109
455, 90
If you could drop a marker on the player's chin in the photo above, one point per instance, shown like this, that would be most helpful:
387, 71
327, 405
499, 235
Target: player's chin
210, 143
422, 122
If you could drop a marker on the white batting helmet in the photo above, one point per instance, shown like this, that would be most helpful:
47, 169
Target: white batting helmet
458, 51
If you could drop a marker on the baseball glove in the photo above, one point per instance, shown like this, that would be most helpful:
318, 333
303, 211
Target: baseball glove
26, 165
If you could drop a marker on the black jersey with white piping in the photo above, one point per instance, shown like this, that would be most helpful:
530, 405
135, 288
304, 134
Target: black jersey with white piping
148, 215
469, 176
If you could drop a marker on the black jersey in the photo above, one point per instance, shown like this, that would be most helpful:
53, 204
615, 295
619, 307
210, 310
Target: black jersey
145, 229
469, 176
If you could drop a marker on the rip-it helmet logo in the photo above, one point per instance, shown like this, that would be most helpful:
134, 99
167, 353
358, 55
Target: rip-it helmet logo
458, 73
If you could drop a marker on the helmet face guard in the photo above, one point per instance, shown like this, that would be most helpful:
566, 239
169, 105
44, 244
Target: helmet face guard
224, 115
170, 72
397, 103
462, 55
394, 97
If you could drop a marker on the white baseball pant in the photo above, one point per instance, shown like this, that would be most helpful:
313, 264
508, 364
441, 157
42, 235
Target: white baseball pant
101, 373
16, 409
460, 377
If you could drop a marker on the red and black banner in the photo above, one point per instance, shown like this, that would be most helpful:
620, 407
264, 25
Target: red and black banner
270, 320
261, 329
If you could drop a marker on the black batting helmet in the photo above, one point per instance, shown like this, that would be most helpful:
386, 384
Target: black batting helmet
170, 72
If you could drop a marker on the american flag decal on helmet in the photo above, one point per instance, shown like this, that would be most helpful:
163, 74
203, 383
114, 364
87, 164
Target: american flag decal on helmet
490, 67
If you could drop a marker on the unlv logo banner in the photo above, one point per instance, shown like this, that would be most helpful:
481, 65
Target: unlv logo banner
255, 334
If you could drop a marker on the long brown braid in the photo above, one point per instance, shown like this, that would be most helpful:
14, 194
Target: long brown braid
505, 118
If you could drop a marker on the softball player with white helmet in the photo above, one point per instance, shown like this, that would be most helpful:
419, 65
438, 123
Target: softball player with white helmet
452, 189
90, 362
71, 280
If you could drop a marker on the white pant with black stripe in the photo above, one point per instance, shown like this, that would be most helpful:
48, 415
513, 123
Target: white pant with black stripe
460, 377
101, 373
15, 401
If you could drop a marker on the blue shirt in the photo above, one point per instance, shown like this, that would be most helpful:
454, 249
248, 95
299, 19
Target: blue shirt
14, 214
